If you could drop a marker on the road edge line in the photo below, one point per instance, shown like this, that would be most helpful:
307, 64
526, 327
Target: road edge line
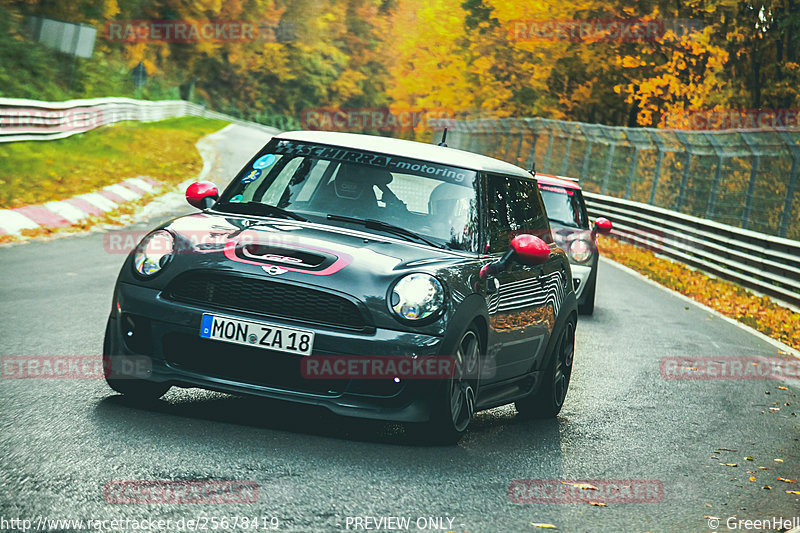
774, 342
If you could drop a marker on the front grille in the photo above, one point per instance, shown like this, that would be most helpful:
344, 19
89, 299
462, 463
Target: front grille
266, 297
244, 364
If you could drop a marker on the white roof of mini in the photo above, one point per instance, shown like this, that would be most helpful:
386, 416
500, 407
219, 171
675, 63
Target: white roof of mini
411, 149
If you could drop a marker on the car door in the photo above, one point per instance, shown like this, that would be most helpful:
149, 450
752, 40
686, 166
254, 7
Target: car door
523, 300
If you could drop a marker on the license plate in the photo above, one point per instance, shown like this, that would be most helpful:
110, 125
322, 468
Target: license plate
257, 334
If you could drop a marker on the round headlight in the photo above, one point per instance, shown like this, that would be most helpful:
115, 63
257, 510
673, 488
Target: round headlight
153, 253
417, 297
580, 250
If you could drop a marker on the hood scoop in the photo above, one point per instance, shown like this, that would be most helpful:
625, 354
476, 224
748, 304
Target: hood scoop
269, 254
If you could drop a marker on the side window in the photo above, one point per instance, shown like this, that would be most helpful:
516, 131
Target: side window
514, 207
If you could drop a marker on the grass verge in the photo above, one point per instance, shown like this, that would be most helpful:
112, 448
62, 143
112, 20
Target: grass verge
34, 172
759, 312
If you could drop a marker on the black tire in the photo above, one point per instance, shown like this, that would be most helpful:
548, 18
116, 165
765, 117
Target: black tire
587, 306
138, 389
134, 388
546, 401
454, 399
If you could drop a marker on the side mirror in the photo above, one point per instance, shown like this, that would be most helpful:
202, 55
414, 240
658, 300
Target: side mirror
201, 194
527, 249
530, 250
603, 226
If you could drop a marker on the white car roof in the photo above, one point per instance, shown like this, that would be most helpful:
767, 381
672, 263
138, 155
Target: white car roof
411, 149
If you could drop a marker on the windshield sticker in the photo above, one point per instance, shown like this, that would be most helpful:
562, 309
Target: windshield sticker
264, 161
237, 198
392, 163
251, 176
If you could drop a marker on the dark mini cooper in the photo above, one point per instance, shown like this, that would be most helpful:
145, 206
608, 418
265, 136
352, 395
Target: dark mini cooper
333, 248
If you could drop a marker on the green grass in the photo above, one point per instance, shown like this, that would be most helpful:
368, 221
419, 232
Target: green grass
33, 172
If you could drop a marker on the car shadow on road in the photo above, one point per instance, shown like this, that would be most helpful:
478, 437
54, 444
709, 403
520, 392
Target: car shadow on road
502, 426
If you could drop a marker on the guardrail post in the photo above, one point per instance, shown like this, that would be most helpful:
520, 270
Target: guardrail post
546, 165
686, 164
565, 159
657, 171
609, 160
507, 127
473, 137
787, 203
587, 154
632, 172
751, 184
521, 135
712, 194
534, 138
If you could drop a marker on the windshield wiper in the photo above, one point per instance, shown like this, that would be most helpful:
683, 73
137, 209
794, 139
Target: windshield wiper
259, 209
371, 223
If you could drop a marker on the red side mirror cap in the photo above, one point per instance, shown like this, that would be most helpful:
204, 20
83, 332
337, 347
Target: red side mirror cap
530, 250
197, 192
603, 225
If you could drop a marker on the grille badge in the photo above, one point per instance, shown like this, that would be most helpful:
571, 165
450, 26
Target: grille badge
274, 270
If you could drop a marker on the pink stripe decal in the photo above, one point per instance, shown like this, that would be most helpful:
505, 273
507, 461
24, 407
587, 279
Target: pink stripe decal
85, 206
342, 260
42, 216
133, 188
111, 196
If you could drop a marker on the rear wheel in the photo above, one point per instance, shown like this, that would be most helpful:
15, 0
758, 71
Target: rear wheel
546, 401
454, 403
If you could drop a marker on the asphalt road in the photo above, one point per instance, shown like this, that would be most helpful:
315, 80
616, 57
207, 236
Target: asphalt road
62, 441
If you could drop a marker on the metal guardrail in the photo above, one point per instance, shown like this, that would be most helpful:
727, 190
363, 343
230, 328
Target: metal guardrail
33, 120
764, 263
745, 178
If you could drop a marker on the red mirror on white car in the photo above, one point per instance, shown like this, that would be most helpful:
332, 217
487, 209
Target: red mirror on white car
603, 226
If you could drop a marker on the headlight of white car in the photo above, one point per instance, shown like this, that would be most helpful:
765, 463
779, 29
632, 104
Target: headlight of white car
417, 297
153, 253
580, 250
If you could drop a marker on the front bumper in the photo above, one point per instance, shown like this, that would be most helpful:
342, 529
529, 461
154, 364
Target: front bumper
166, 333
580, 278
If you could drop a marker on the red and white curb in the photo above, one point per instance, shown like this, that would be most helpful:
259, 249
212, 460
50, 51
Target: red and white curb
73, 210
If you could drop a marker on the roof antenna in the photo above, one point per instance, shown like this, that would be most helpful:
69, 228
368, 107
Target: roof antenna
532, 170
444, 138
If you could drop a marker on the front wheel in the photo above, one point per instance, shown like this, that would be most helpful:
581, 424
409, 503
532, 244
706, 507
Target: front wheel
134, 388
138, 389
454, 401
547, 400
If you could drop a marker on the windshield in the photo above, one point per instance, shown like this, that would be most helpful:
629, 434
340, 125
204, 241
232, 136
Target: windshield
323, 183
564, 206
